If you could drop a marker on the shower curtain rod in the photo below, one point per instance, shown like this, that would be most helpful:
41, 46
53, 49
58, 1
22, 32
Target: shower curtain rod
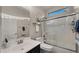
58, 17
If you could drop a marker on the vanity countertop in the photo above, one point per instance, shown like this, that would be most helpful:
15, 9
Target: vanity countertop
26, 46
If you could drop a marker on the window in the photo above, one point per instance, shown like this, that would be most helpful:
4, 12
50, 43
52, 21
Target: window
56, 12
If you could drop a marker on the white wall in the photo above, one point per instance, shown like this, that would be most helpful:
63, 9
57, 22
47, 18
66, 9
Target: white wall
20, 24
10, 15
15, 11
35, 13
9, 28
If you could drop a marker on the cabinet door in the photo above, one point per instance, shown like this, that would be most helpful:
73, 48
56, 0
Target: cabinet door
59, 32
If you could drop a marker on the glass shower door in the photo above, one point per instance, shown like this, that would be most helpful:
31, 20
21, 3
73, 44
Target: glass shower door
59, 33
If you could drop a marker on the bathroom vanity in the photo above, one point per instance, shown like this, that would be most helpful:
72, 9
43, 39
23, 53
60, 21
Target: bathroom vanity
28, 46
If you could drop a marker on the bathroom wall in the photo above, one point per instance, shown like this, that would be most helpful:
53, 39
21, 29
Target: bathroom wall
9, 28
34, 14
15, 10
76, 8
22, 23
10, 16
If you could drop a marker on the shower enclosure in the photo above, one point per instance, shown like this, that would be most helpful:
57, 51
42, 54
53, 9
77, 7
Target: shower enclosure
58, 32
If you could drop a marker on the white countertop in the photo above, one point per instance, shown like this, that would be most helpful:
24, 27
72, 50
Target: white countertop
26, 46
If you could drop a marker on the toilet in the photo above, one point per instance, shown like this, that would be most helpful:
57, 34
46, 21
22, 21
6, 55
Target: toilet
44, 46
